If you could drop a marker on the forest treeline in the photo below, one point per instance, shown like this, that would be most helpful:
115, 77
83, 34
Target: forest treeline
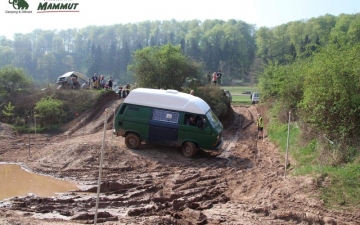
229, 45
108, 50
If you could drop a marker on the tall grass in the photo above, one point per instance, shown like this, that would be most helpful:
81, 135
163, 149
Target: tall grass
339, 185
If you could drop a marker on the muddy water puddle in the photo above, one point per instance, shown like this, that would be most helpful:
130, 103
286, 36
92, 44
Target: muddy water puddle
15, 181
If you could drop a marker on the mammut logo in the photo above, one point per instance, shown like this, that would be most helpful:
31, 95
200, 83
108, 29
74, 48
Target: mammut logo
57, 7
19, 4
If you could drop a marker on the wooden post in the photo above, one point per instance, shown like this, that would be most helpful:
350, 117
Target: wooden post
100, 168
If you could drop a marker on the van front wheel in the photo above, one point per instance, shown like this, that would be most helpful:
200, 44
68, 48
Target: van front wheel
189, 149
132, 141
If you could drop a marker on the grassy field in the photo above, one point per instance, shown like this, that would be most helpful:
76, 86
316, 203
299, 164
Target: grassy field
240, 94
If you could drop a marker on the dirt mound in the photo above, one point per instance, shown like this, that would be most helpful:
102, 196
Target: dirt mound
91, 121
6, 131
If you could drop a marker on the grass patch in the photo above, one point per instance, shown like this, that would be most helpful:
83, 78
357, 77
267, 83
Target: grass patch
241, 99
238, 94
344, 186
239, 89
339, 185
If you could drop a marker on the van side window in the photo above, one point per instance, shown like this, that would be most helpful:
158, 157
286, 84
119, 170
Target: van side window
165, 116
135, 111
190, 119
122, 109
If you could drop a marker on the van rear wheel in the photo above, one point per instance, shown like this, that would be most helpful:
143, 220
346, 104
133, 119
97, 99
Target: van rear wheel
132, 141
189, 149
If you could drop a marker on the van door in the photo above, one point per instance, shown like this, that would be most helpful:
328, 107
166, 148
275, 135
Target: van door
199, 134
164, 127
133, 118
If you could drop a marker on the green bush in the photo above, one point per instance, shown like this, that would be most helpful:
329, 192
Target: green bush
216, 99
49, 111
74, 102
331, 102
8, 112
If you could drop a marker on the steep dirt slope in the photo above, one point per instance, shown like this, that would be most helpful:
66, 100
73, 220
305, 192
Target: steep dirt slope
92, 121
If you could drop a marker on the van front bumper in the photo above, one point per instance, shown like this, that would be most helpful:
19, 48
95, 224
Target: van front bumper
219, 144
215, 151
217, 147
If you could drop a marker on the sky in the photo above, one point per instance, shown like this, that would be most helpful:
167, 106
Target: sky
267, 13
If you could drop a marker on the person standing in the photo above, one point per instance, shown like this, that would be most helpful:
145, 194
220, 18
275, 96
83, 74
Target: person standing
260, 126
214, 78
89, 82
94, 78
96, 84
120, 93
74, 83
110, 83
102, 82
127, 88
209, 77
219, 75
95, 81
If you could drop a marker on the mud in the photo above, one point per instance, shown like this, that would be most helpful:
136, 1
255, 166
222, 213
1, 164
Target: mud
245, 184
16, 181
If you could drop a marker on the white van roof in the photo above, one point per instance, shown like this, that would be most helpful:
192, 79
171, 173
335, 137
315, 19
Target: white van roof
167, 99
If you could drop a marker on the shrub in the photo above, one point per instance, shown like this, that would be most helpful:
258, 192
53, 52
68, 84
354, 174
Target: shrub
216, 99
49, 111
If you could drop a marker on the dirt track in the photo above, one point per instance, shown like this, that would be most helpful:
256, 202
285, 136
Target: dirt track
158, 185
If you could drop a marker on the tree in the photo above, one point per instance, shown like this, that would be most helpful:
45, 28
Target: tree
192, 43
22, 50
332, 92
354, 30
45, 66
162, 67
264, 42
8, 112
293, 51
95, 60
12, 79
6, 55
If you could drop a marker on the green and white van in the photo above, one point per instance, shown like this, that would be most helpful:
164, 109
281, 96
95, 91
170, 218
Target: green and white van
160, 117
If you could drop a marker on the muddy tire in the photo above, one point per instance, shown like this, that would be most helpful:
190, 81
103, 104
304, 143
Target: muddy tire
133, 141
189, 149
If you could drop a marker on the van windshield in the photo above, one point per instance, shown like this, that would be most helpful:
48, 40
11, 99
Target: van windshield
214, 121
